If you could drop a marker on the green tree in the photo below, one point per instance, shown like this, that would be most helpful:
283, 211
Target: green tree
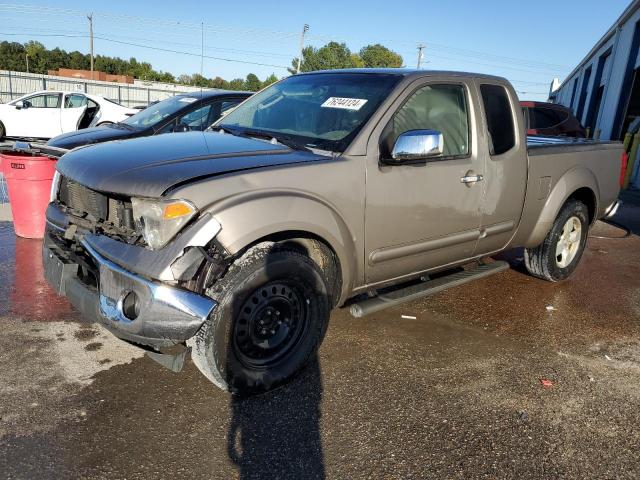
269, 80
333, 55
184, 79
12, 57
199, 80
252, 83
379, 56
37, 56
236, 84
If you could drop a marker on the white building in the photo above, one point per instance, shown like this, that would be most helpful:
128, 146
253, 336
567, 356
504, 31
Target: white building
604, 89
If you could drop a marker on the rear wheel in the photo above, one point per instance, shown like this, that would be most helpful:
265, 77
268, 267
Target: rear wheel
272, 312
558, 256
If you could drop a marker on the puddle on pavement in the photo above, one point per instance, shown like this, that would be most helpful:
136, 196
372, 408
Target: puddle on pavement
24, 292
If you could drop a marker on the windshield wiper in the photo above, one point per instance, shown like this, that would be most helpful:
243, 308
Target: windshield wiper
222, 129
125, 125
285, 140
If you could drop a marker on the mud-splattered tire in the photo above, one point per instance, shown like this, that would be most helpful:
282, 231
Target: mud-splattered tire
273, 309
558, 256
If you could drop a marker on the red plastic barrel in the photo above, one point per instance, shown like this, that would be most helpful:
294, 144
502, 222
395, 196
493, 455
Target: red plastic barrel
29, 183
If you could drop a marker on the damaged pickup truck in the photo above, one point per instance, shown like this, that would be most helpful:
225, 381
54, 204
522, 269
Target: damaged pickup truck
325, 189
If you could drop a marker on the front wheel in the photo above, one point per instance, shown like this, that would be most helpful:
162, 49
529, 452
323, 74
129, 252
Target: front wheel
3, 131
273, 309
558, 256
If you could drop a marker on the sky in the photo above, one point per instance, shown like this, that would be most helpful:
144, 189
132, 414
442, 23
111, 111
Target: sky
529, 43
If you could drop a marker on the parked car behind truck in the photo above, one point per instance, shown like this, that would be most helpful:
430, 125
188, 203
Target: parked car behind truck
541, 118
183, 113
239, 242
48, 113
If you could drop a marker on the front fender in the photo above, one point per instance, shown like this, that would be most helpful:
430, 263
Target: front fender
249, 217
569, 183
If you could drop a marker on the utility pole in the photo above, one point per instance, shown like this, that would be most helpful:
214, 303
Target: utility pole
305, 29
202, 49
421, 47
90, 18
26, 55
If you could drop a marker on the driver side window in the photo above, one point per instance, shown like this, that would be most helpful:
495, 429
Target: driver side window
44, 101
435, 107
197, 119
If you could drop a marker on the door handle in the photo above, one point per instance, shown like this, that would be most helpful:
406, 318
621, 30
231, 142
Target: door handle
471, 178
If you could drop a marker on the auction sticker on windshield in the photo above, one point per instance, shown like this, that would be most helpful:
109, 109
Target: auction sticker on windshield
345, 103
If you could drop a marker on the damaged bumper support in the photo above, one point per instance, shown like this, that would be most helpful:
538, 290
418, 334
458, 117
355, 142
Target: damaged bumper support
130, 306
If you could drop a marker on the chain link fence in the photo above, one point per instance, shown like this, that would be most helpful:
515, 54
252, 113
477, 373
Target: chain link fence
141, 94
4, 194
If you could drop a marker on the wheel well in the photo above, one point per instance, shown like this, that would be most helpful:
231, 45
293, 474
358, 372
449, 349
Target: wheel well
315, 248
586, 196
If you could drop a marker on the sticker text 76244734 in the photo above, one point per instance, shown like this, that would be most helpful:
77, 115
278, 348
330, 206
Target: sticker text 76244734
344, 103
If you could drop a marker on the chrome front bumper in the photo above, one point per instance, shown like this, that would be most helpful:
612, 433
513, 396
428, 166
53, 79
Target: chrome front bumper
130, 306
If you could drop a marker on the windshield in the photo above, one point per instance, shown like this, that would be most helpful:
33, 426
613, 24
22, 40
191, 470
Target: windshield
323, 111
155, 114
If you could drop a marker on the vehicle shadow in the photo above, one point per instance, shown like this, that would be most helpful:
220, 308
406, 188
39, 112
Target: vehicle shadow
277, 434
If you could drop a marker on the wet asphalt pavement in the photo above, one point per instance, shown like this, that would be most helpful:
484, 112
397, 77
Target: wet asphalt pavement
455, 393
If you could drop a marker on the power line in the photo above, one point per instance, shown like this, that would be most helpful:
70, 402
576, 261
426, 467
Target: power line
258, 35
148, 47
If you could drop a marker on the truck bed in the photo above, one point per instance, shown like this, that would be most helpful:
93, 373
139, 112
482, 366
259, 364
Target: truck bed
554, 165
540, 141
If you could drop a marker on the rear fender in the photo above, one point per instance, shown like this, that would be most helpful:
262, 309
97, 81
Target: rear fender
566, 186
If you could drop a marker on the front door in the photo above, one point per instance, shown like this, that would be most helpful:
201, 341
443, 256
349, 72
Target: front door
39, 117
421, 215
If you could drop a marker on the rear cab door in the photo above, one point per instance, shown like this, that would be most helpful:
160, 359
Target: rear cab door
420, 215
503, 146
75, 105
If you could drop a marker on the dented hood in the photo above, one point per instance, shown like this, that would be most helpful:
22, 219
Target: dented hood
150, 166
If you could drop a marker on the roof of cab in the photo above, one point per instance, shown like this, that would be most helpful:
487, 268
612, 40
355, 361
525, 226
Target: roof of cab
408, 72
206, 93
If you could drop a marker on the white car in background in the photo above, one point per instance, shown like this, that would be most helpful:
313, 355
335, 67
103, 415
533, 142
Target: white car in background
46, 114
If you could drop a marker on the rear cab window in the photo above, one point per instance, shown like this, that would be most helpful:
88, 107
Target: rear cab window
499, 118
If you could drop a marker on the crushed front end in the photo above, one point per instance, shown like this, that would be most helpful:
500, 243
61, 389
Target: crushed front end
95, 255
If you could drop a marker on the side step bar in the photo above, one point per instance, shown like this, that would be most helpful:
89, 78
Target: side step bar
431, 287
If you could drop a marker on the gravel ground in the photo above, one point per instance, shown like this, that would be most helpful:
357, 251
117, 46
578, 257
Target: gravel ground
457, 392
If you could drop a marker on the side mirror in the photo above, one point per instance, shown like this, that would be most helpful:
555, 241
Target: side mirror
20, 104
418, 145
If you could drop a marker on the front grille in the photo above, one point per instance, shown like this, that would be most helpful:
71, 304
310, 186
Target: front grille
113, 215
83, 200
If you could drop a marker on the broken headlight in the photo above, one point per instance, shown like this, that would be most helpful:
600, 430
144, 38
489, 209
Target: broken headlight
160, 220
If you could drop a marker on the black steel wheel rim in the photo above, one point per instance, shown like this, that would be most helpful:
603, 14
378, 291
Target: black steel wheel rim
270, 323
